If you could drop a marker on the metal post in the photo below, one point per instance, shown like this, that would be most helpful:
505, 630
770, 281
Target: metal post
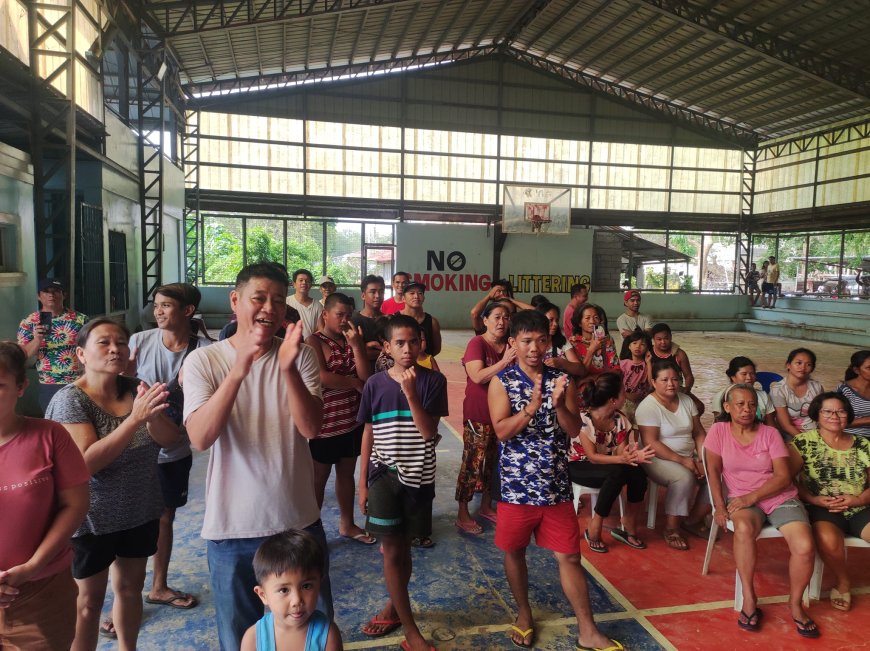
152, 70
192, 216
52, 48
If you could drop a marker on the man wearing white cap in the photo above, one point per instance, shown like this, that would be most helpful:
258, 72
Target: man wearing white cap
327, 287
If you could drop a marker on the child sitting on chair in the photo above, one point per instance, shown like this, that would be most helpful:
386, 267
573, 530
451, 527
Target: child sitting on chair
289, 568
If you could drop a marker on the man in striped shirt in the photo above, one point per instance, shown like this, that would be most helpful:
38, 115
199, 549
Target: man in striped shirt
401, 408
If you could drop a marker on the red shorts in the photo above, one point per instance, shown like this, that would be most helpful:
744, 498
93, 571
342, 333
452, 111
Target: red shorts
555, 527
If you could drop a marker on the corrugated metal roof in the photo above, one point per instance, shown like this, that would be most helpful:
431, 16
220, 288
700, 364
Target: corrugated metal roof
768, 68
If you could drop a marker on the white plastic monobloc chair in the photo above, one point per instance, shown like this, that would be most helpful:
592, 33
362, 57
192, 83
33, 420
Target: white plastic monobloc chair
819, 567
767, 531
652, 498
580, 491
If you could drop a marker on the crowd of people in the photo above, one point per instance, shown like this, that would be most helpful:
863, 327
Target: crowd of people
549, 401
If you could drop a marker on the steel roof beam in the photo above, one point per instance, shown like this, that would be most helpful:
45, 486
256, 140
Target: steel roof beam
533, 9
693, 72
425, 33
359, 32
387, 18
643, 45
579, 27
555, 21
735, 133
411, 17
667, 69
613, 23
778, 50
458, 43
280, 79
228, 14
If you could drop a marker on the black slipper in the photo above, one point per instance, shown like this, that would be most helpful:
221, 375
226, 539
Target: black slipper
807, 628
624, 537
750, 622
601, 549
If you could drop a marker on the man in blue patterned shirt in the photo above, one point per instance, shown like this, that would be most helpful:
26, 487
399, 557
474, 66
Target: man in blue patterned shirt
534, 413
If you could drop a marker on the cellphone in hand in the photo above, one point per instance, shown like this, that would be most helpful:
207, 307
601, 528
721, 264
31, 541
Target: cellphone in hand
45, 319
599, 332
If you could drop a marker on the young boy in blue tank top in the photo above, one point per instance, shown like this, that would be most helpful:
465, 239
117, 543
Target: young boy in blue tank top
289, 568
534, 414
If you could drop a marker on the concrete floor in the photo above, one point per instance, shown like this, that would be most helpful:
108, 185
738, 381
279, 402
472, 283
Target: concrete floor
651, 599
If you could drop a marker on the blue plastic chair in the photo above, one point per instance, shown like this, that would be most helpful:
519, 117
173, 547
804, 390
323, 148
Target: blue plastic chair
766, 378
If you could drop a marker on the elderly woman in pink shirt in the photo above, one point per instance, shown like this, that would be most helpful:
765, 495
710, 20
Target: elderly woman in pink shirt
753, 461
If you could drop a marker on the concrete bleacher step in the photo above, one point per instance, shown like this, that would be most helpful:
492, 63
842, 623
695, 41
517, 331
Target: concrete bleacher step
851, 334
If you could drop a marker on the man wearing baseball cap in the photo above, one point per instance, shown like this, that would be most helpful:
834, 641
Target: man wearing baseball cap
51, 334
631, 319
327, 287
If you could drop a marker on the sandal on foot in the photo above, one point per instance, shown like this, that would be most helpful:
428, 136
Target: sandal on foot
175, 601
595, 545
425, 542
628, 538
675, 540
380, 626
488, 516
107, 629
528, 633
364, 538
841, 600
469, 526
750, 622
615, 646
807, 628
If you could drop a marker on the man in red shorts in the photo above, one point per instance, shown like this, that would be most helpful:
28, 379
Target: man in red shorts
534, 412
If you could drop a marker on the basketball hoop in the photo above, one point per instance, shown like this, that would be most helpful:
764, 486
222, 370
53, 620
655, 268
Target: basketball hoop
537, 210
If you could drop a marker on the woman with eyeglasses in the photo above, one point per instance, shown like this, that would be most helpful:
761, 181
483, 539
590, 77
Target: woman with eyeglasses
835, 485
792, 395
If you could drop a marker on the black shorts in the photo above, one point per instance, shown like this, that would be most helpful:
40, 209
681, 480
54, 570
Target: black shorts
93, 554
174, 479
850, 526
333, 449
392, 510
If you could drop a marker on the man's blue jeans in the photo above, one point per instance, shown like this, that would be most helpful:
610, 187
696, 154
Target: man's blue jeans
231, 570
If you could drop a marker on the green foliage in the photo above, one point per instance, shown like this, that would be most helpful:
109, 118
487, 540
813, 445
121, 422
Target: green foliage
223, 256
222, 253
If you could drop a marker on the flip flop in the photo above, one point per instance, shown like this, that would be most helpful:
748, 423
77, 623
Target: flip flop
750, 622
530, 632
616, 646
488, 516
364, 538
388, 625
624, 537
807, 628
105, 631
178, 596
841, 600
469, 527
601, 549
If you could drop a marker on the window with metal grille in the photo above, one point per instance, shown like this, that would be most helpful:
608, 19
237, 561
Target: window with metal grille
119, 298
90, 288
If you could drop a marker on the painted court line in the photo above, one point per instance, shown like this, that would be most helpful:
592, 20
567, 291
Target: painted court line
452, 430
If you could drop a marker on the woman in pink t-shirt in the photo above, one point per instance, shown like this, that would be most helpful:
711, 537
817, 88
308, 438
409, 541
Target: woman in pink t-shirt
43, 499
753, 461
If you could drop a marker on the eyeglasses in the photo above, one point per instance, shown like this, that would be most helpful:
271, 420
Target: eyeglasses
830, 413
